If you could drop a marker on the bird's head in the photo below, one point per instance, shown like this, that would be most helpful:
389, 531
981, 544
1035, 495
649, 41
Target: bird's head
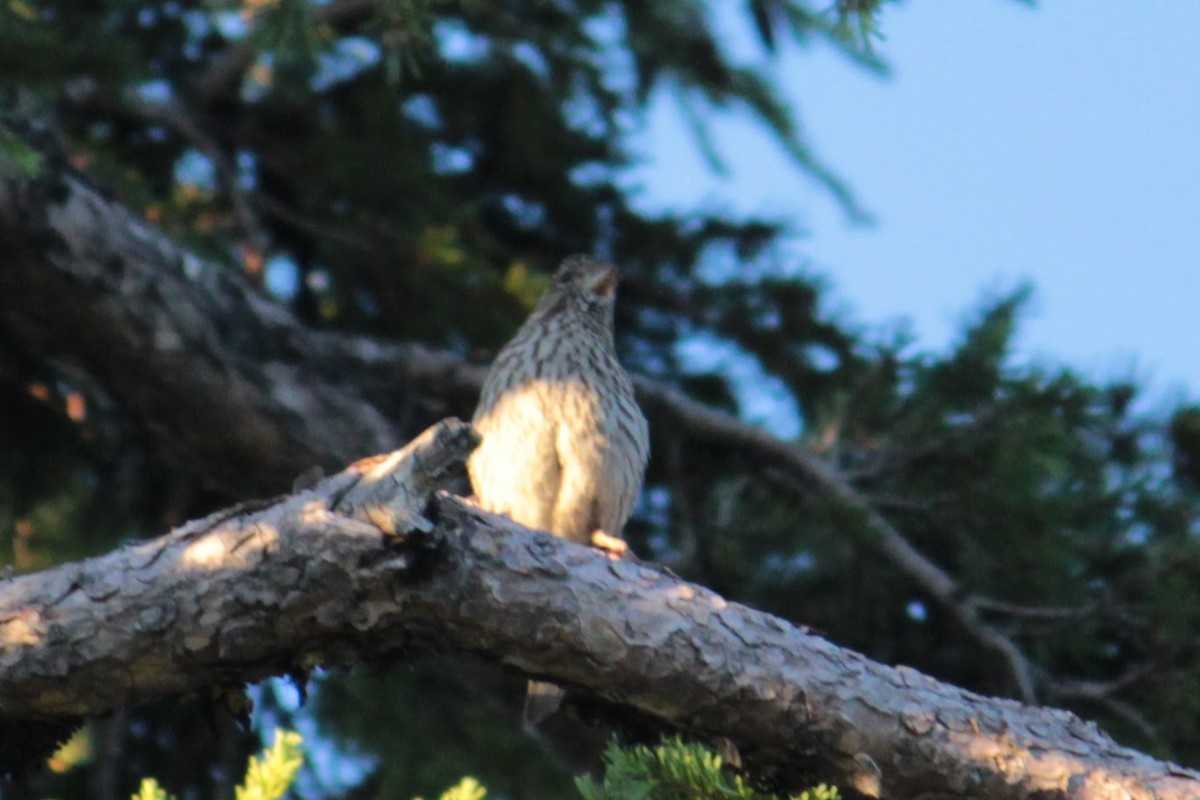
582, 284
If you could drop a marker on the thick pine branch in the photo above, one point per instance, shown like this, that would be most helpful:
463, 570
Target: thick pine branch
259, 589
376, 561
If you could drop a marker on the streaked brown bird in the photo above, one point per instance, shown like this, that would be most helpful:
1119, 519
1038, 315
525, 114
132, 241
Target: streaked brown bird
564, 444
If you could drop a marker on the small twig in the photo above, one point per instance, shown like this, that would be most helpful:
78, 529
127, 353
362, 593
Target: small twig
1101, 693
880, 500
310, 226
1032, 612
1097, 689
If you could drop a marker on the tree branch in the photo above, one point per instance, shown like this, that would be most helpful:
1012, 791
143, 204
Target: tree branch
376, 561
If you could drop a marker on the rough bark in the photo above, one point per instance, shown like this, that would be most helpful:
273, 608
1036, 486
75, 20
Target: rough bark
375, 561
247, 592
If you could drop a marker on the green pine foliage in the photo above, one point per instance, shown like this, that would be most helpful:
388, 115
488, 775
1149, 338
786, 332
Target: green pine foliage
676, 770
267, 778
150, 790
466, 789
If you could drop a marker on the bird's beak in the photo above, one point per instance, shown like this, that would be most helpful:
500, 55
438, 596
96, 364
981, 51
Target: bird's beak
603, 282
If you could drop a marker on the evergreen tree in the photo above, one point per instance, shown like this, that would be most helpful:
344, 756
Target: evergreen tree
410, 170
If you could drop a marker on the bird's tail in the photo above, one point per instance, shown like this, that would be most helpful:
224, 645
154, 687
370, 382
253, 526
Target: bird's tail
541, 700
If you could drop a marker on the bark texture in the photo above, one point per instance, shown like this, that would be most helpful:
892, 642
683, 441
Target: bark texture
375, 560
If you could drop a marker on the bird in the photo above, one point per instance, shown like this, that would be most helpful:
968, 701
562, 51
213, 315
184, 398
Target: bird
564, 444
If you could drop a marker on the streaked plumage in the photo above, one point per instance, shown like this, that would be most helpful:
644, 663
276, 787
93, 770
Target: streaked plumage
564, 444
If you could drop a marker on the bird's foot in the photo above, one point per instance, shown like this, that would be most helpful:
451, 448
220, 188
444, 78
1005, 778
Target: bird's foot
612, 546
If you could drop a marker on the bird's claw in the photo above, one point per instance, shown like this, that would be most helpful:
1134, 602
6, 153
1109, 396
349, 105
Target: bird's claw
612, 546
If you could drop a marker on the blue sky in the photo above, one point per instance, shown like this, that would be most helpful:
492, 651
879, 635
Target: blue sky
1058, 145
